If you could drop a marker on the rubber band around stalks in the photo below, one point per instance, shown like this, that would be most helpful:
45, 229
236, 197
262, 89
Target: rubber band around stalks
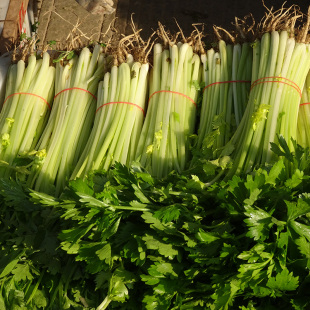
122, 102
305, 103
76, 88
173, 92
289, 83
224, 82
31, 94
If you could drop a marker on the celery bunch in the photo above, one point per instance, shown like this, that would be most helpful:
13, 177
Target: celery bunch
70, 122
227, 77
170, 118
118, 120
280, 67
29, 94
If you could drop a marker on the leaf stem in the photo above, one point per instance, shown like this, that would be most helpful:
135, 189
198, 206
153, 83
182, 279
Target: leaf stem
104, 304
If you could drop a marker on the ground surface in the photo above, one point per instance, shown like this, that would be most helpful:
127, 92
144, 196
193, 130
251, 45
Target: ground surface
147, 13
187, 12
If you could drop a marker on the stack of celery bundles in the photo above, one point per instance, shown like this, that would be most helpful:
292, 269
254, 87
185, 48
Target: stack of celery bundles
71, 120
27, 103
281, 62
170, 120
119, 115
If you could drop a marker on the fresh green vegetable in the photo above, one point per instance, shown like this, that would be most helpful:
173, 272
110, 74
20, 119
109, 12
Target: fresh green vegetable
227, 78
280, 67
170, 120
122, 238
29, 93
71, 120
119, 118
303, 124
126, 240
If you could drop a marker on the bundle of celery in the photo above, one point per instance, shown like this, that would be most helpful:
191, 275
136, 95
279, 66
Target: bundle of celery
170, 118
303, 125
70, 122
29, 94
119, 118
281, 61
226, 76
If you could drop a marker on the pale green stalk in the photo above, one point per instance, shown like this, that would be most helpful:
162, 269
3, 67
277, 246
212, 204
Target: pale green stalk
225, 93
234, 75
147, 134
70, 124
203, 114
303, 124
225, 104
141, 93
135, 121
273, 104
163, 102
244, 74
183, 107
103, 121
107, 152
163, 144
254, 152
120, 153
166, 115
49, 169
23, 115
253, 105
15, 76
114, 126
299, 71
195, 75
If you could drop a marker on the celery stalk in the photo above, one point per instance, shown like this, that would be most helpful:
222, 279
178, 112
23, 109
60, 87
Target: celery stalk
227, 85
23, 116
303, 124
119, 118
170, 119
279, 70
71, 119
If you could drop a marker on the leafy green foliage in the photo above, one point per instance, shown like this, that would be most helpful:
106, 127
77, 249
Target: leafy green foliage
125, 240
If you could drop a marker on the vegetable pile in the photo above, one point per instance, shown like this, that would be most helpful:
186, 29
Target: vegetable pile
160, 174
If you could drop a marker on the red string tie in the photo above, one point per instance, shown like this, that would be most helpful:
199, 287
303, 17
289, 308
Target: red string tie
78, 88
276, 80
123, 102
23, 93
173, 92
